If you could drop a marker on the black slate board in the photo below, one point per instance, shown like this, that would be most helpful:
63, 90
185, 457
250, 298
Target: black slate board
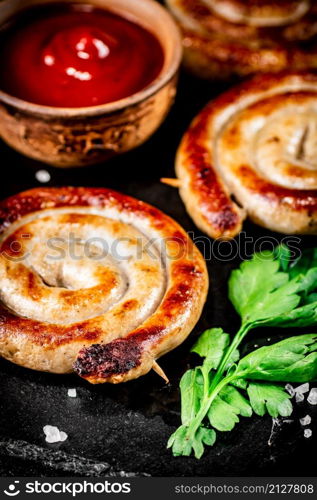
124, 429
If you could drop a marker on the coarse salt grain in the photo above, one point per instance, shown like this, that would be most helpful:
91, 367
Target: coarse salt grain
72, 393
308, 433
302, 389
305, 420
53, 434
299, 397
43, 176
312, 398
290, 389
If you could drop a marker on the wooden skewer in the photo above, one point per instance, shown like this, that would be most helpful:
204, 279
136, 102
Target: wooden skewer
176, 183
156, 367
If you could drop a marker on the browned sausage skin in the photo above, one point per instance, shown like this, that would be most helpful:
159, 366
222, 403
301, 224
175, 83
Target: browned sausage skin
251, 152
223, 39
110, 319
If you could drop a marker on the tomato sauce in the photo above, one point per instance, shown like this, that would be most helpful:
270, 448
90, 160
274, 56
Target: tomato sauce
76, 55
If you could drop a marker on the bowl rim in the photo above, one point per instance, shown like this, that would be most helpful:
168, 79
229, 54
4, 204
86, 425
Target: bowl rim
165, 76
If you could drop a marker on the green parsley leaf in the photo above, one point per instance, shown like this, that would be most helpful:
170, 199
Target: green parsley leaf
259, 291
291, 360
222, 416
307, 260
224, 410
179, 444
268, 398
212, 345
268, 290
307, 282
191, 386
283, 255
300, 317
203, 436
183, 444
233, 397
240, 383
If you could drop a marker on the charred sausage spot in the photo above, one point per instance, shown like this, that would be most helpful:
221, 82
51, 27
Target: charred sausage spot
104, 361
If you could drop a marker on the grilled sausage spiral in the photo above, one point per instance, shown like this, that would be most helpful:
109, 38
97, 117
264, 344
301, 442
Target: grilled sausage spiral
94, 280
252, 152
226, 38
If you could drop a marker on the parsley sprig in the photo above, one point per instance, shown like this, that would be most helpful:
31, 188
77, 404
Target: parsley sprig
268, 290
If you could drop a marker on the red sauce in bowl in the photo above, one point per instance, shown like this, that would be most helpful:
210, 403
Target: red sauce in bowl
76, 55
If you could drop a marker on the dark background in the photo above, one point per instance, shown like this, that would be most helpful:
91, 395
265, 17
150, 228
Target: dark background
124, 429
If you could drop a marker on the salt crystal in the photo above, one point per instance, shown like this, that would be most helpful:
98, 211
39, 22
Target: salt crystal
290, 389
43, 176
72, 393
308, 433
306, 420
53, 434
63, 436
302, 389
312, 398
299, 397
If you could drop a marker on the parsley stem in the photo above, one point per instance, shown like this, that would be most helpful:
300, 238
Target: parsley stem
244, 329
205, 405
218, 382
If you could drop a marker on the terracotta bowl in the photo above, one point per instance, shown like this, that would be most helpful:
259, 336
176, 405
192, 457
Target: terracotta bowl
69, 137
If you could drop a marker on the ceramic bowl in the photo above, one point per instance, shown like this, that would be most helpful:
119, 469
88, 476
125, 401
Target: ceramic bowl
69, 137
